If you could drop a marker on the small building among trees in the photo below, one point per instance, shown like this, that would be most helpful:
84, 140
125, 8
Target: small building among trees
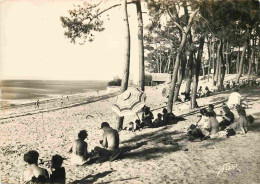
159, 78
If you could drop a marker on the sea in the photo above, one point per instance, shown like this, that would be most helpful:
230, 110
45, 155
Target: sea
15, 92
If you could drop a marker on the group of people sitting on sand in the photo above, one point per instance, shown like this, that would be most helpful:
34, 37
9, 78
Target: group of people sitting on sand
208, 125
148, 120
241, 84
79, 156
35, 174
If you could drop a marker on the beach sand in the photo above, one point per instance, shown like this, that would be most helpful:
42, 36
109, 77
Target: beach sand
152, 159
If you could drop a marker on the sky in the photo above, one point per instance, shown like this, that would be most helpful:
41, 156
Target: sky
33, 45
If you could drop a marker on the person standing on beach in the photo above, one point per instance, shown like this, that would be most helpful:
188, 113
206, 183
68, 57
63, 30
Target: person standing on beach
79, 149
34, 173
110, 141
37, 103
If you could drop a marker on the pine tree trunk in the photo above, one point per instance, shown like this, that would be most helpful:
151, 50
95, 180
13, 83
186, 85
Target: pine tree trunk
222, 68
241, 62
180, 77
227, 60
219, 53
209, 53
196, 74
140, 45
217, 68
238, 58
203, 68
189, 73
213, 63
176, 66
125, 77
252, 58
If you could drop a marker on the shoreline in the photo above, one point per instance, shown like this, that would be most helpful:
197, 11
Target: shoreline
51, 104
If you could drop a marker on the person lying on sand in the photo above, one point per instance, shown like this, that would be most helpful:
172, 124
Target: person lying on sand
58, 174
110, 141
147, 117
241, 123
34, 173
158, 121
79, 149
228, 118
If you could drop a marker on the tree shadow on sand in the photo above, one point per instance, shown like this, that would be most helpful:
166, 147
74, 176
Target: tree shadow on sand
91, 178
152, 135
126, 179
163, 143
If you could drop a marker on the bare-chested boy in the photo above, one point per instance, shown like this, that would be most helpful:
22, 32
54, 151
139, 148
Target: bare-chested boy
79, 149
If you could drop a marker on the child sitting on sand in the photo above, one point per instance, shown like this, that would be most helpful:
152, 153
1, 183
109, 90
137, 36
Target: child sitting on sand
211, 109
130, 126
79, 149
58, 174
195, 133
200, 93
227, 118
34, 173
147, 117
242, 123
213, 126
207, 91
158, 121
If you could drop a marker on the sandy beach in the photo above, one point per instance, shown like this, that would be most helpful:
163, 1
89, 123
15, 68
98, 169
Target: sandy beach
150, 159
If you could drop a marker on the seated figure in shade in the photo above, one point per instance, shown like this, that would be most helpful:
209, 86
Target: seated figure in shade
211, 109
185, 96
110, 141
195, 133
79, 149
200, 92
130, 126
169, 118
228, 85
227, 118
158, 121
233, 84
147, 117
34, 173
207, 92
241, 123
58, 174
